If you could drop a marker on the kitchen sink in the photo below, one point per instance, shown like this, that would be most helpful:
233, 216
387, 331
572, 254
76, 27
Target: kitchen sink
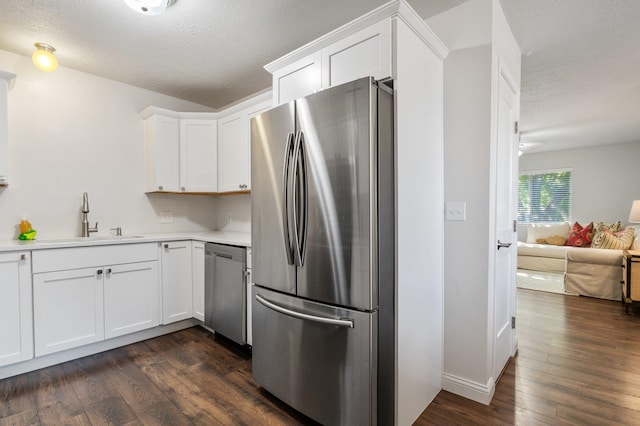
87, 239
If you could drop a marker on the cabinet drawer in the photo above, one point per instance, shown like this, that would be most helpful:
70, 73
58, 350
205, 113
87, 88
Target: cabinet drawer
86, 257
634, 275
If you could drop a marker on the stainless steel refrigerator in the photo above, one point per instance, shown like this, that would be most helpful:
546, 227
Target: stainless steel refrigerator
322, 177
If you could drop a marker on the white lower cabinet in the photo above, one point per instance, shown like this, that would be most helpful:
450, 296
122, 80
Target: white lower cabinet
68, 309
16, 320
131, 298
197, 253
77, 300
177, 281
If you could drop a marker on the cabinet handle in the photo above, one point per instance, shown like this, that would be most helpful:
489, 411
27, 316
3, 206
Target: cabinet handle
99, 271
23, 256
182, 189
160, 188
109, 271
166, 246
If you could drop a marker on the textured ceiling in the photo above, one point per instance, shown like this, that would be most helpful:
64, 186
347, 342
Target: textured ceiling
580, 73
211, 52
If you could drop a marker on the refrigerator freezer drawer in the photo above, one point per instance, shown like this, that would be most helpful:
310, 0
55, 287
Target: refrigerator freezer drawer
319, 359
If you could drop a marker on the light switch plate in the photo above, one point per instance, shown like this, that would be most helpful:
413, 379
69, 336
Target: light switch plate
455, 211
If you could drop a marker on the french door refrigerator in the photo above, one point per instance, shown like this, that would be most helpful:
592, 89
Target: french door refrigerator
323, 253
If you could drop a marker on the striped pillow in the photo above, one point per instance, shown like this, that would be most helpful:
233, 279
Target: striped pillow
620, 240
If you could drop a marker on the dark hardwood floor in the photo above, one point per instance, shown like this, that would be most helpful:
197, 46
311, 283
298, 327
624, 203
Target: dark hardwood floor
578, 363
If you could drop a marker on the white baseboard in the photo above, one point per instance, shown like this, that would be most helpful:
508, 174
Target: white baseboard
94, 348
482, 393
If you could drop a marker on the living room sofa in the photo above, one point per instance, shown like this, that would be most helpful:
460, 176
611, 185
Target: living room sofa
593, 272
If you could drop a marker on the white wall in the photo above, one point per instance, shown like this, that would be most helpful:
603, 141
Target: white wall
471, 81
605, 179
71, 132
239, 206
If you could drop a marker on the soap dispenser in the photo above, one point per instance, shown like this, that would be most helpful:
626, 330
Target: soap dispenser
26, 231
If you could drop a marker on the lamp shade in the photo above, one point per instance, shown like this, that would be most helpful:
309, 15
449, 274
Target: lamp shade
634, 216
43, 58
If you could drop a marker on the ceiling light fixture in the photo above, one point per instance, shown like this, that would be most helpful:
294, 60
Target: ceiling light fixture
149, 7
43, 58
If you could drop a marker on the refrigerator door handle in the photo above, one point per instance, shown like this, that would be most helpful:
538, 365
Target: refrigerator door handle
300, 211
285, 198
341, 322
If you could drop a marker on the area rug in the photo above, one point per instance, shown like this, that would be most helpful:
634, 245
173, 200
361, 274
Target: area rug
541, 281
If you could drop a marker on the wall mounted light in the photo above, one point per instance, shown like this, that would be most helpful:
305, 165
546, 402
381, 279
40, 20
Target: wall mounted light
149, 7
43, 58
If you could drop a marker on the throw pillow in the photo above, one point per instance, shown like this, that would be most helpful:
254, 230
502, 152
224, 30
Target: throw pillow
554, 240
620, 240
580, 236
601, 226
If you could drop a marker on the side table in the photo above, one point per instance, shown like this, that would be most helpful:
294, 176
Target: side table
630, 277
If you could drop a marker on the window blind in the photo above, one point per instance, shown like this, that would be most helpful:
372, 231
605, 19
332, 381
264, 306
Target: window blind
544, 196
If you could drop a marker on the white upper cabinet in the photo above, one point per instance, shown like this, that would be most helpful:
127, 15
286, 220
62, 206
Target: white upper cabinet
367, 52
16, 319
198, 156
180, 151
234, 145
234, 154
298, 79
162, 153
7, 80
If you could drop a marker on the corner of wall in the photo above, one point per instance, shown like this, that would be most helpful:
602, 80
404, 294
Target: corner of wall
482, 393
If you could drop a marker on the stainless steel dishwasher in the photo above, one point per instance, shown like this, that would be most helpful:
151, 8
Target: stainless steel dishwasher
225, 291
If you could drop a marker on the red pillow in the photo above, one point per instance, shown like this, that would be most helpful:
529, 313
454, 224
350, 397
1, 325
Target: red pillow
579, 236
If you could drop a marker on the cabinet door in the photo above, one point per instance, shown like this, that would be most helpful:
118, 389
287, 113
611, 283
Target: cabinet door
177, 281
68, 309
233, 153
197, 253
365, 53
16, 323
297, 80
131, 298
162, 153
198, 155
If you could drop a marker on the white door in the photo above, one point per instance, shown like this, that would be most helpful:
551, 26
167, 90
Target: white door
198, 155
504, 292
177, 281
233, 153
130, 298
67, 309
197, 253
16, 319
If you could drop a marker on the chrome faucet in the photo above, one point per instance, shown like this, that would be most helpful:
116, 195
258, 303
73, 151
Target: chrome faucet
86, 230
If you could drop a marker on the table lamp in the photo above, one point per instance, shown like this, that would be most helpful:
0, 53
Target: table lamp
634, 215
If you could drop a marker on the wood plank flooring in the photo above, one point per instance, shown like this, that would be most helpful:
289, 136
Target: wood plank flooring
578, 364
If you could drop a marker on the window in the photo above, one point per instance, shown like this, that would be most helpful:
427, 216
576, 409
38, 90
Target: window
544, 196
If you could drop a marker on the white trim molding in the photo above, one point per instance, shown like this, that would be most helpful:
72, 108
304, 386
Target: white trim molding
482, 393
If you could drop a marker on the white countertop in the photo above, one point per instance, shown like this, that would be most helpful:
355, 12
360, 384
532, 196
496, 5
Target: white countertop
242, 239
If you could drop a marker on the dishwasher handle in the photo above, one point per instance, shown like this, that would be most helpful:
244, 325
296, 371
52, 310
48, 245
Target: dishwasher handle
342, 322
